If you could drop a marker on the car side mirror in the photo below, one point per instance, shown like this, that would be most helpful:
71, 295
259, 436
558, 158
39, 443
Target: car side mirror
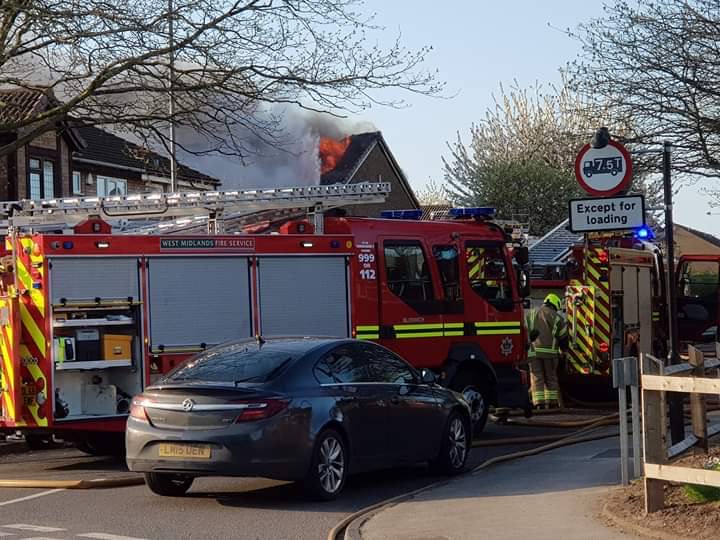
522, 255
427, 376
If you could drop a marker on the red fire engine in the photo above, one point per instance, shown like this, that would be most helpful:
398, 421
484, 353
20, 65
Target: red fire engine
89, 319
616, 304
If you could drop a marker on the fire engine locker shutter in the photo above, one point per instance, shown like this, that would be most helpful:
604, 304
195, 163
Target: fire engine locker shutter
303, 296
196, 300
87, 278
631, 309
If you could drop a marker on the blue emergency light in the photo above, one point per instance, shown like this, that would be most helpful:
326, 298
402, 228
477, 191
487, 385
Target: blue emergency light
401, 214
644, 233
475, 212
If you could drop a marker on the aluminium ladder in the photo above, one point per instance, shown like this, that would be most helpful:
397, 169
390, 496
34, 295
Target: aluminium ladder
189, 206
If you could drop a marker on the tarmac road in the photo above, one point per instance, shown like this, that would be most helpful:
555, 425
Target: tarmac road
221, 508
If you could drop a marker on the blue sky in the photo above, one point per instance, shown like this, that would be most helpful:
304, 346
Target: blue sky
478, 45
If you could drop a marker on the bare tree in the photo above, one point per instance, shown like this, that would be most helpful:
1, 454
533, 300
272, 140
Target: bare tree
521, 155
658, 63
115, 62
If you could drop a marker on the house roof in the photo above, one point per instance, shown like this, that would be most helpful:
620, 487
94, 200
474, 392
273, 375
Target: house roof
360, 147
712, 239
554, 245
19, 104
105, 148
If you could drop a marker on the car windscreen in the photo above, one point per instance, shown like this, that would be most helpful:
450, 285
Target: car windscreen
235, 363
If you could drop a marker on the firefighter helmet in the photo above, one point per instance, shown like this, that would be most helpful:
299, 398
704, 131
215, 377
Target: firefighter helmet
553, 300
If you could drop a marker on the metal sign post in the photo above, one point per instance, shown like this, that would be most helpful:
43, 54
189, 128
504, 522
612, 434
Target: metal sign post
625, 373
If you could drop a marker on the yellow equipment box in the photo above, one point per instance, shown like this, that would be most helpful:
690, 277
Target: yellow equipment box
116, 347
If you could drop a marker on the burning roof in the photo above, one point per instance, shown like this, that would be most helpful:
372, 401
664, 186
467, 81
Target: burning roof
340, 159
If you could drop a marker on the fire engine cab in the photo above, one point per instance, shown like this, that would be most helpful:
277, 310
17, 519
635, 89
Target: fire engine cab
88, 319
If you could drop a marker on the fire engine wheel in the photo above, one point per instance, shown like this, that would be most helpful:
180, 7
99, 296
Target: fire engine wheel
476, 394
168, 484
39, 442
102, 445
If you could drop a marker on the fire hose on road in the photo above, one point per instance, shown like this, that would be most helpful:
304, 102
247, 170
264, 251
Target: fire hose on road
585, 434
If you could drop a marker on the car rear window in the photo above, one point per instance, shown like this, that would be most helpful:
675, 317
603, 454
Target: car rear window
234, 363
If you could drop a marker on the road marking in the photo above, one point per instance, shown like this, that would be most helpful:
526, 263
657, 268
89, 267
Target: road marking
104, 536
29, 497
33, 528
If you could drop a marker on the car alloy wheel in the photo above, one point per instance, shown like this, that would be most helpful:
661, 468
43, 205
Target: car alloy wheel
331, 465
457, 443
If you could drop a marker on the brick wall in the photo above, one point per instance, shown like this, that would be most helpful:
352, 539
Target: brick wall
21, 167
4, 178
377, 168
64, 170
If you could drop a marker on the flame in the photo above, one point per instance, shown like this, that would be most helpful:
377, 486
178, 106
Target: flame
331, 152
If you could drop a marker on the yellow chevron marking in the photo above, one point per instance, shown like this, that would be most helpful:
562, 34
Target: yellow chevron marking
9, 384
594, 272
368, 327
35, 332
35, 295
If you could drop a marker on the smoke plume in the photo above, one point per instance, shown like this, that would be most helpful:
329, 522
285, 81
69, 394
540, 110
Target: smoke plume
291, 158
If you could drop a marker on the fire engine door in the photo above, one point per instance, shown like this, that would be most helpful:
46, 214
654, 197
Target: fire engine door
491, 309
410, 313
697, 299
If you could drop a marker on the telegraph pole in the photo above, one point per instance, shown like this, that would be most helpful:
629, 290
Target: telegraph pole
173, 162
677, 423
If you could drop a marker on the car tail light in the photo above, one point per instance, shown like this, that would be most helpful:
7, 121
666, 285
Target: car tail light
259, 409
137, 409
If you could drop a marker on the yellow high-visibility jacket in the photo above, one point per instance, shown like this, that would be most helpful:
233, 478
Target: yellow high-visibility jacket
551, 331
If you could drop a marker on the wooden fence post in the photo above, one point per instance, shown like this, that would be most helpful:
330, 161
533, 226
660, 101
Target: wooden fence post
654, 431
698, 410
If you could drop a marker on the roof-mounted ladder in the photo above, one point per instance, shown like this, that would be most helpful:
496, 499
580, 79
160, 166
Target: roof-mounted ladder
210, 205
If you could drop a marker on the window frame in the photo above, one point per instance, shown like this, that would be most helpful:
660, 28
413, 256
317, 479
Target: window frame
358, 353
420, 305
102, 179
76, 190
40, 170
507, 302
367, 349
686, 286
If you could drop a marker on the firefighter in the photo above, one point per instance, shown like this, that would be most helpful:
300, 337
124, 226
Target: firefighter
547, 332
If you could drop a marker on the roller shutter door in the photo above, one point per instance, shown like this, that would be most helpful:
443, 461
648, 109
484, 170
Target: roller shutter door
87, 278
195, 300
303, 296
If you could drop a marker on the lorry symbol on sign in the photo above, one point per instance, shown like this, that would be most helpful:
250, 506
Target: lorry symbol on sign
603, 165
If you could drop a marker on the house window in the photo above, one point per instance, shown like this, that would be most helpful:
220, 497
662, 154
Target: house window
41, 178
109, 187
77, 183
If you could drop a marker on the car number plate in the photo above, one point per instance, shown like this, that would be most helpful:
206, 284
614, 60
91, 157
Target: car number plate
181, 451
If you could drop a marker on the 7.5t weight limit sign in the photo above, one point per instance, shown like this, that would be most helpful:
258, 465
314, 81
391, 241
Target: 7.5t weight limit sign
607, 214
604, 171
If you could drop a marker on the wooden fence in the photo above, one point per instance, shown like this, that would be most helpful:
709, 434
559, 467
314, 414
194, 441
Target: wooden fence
656, 380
